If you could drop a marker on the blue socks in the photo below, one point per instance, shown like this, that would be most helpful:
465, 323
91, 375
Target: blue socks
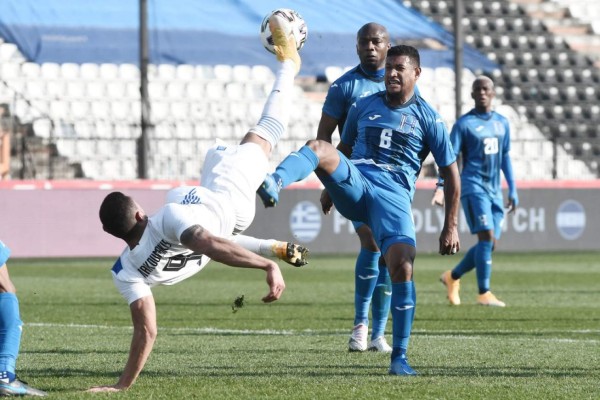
465, 265
10, 334
381, 302
366, 272
483, 263
295, 167
403, 313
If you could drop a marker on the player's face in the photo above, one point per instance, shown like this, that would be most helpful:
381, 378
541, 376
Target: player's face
400, 77
483, 93
372, 46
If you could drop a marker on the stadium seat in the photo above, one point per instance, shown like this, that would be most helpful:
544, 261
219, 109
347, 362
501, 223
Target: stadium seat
235, 90
160, 111
198, 109
166, 72
241, 73
205, 72
8, 52
129, 72
9, 71
261, 74
30, 70
185, 72
91, 169
109, 71
95, 89
214, 90
50, 71
132, 90
202, 130
104, 129
69, 71
89, 71
116, 90
120, 110
175, 90
333, 72
79, 109
223, 72
179, 111
156, 89
195, 90
35, 89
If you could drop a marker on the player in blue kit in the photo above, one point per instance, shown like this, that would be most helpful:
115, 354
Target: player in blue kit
482, 137
10, 334
390, 133
372, 280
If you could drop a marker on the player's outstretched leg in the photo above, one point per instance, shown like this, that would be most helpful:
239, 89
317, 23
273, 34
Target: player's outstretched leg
291, 253
269, 191
284, 42
19, 388
295, 167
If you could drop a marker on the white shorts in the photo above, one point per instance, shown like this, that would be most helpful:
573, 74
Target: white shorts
236, 172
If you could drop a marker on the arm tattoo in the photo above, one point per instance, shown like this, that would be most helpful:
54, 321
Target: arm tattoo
189, 233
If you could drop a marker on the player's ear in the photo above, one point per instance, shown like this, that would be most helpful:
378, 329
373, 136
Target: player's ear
417, 72
139, 216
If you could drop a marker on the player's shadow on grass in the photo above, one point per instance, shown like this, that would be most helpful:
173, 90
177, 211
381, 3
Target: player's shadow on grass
506, 371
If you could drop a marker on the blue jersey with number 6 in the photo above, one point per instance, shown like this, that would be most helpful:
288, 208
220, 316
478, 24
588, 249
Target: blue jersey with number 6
397, 139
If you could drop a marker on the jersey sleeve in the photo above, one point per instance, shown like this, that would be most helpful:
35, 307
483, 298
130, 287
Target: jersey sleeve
456, 137
177, 218
335, 103
439, 142
351, 126
4, 253
131, 290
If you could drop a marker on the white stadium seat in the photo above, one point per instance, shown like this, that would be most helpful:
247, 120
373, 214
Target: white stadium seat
69, 71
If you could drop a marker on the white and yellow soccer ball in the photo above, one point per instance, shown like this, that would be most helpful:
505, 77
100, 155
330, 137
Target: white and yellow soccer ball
296, 26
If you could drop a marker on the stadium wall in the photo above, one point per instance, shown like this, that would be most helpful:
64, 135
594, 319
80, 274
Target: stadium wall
60, 218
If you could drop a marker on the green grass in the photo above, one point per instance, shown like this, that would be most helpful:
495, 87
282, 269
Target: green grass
544, 345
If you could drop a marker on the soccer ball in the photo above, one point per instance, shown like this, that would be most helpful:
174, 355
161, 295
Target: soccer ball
297, 27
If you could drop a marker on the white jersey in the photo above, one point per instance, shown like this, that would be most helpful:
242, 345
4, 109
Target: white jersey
159, 258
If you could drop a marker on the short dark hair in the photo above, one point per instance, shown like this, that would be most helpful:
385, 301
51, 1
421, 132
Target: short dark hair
117, 214
374, 26
404, 50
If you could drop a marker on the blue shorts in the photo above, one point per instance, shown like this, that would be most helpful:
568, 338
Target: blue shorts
483, 213
357, 224
370, 195
4, 253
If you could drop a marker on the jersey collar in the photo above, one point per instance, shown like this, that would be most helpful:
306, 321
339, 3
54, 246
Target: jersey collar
376, 76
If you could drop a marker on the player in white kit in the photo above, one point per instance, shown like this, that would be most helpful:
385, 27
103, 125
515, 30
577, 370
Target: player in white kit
198, 224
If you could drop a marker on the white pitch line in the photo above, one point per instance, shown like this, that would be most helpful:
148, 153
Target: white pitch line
430, 334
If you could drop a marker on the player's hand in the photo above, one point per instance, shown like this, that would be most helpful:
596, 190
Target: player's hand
511, 206
104, 389
438, 197
449, 242
326, 203
275, 282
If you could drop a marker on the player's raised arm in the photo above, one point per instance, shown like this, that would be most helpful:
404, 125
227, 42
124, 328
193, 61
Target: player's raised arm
199, 240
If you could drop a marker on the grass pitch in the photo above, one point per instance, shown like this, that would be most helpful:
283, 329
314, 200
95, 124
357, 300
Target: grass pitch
544, 345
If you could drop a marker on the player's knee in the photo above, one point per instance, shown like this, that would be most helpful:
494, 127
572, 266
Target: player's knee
366, 238
401, 272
